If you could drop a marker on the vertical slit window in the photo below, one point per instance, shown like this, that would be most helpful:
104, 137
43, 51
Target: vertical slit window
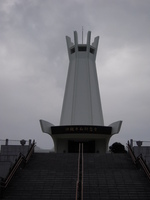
92, 50
72, 50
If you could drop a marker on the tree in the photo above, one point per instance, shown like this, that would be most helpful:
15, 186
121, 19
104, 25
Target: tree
117, 148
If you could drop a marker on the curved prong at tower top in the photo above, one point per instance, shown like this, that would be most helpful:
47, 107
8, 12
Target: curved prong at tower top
75, 38
70, 43
88, 37
75, 47
95, 43
88, 41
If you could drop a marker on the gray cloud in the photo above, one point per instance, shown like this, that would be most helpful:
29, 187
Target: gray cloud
34, 63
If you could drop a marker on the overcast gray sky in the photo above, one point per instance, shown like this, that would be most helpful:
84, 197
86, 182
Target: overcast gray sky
34, 63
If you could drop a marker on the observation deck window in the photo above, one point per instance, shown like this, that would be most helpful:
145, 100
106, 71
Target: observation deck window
81, 48
92, 50
72, 50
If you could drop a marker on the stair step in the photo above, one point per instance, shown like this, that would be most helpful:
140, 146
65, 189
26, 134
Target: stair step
53, 176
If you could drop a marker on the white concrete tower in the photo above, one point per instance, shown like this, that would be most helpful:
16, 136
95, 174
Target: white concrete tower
82, 105
81, 117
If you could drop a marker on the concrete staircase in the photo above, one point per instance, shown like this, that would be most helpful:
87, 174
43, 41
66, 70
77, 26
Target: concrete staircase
8, 156
53, 176
46, 176
113, 176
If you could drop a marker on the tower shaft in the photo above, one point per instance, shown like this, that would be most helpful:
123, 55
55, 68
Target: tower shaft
82, 104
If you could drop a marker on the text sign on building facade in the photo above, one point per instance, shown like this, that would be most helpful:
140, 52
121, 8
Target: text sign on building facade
81, 130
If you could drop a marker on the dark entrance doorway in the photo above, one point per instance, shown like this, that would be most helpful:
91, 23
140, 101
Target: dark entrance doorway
88, 146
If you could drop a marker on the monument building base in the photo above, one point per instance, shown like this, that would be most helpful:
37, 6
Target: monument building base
95, 139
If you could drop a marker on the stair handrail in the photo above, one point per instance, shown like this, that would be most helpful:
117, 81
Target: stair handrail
139, 160
77, 182
82, 174
131, 153
30, 152
21, 158
144, 165
5, 182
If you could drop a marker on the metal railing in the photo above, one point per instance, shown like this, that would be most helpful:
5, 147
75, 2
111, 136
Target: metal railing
144, 165
131, 153
82, 174
139, 142
30, 152
139, 160
21, 159
79, 183
6, 181
15, 142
